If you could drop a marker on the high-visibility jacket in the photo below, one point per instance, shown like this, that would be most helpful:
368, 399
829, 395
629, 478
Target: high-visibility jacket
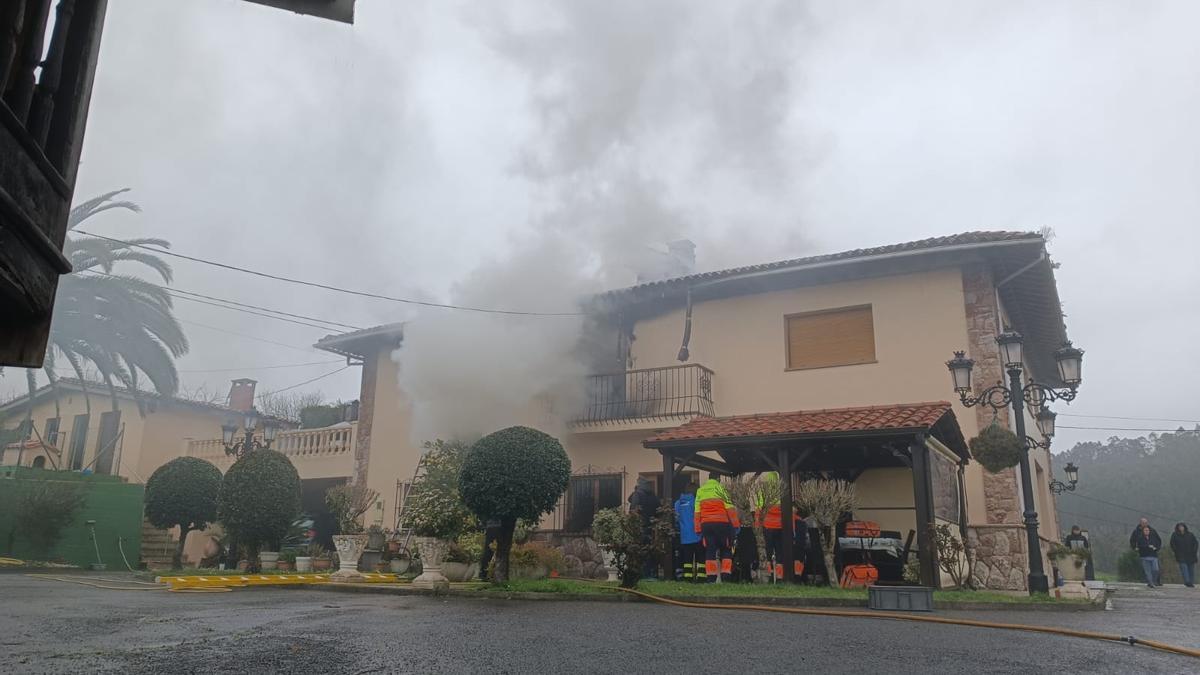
713, 505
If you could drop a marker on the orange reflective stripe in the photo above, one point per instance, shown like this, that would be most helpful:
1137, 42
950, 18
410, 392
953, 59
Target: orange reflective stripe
798, 568
779, 571
774, 518
710, 568
731, 514
726, 566
714, 511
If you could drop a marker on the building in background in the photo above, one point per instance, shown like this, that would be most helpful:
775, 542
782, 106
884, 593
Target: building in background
866, 332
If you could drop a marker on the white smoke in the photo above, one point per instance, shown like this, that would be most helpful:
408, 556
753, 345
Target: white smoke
655, 121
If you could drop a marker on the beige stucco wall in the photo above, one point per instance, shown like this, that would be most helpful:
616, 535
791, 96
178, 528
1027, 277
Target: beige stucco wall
72, 403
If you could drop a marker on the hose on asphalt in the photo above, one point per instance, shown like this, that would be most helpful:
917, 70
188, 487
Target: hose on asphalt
895, 616
128, 584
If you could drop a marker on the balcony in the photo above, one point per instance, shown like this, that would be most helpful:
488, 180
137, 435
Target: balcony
649, 394
316, 453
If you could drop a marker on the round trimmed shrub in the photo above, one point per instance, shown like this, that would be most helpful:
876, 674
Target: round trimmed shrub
997, 448
260, 499
514, 474
183, 492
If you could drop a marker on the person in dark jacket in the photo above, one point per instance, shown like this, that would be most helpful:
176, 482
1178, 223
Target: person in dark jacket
644, 502
1184, 546
1077, 540
1146, 542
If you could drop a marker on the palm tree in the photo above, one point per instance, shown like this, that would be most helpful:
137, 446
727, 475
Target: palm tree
118, 324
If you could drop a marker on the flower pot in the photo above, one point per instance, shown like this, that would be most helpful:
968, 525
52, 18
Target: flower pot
376, 539
283, 565
456, 571
393, 546
399, 565
304, 564
321, 564
610, 564
243, 565
268, 559
433, 552
349, 549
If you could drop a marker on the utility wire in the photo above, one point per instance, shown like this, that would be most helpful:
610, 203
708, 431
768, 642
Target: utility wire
407, 301
1119, 506
248, 337
1140, 419
301, 384
1086, 518
172, 291
286, 365
250, 311
1063, 426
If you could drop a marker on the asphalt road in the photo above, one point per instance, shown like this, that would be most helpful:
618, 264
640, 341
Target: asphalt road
48, 627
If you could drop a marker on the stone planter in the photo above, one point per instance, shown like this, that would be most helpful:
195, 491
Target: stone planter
321, 564
399, 565
1071, 568
269, 559
456, 571
349, 548
304, 564
610, 564
433, 552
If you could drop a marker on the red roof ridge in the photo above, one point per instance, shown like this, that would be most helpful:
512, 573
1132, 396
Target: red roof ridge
813, 411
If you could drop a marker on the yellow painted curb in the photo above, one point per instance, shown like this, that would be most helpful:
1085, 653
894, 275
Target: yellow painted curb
241, 580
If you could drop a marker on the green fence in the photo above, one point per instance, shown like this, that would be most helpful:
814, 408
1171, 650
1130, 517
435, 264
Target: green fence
115, 505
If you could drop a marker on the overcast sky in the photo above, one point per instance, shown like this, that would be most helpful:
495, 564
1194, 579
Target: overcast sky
401, 154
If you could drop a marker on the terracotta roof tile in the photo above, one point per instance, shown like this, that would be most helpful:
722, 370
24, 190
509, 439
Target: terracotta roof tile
903, 417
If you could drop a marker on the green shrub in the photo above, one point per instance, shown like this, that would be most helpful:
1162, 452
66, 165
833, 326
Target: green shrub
433, 506
184, 493
620, 534
42, 509
537, 555
260, 499
997, 448
347, 503
515, 473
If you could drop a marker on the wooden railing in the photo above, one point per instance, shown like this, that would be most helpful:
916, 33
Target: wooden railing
649, 393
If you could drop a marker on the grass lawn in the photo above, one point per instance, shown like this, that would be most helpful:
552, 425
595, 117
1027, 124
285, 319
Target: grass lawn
683, 591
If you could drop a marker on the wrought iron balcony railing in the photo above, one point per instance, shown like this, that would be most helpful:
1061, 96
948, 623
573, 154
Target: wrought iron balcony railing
649, 393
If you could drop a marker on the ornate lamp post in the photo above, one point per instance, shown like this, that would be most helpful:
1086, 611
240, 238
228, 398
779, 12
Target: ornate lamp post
1036, 395
240, 447
1058, 487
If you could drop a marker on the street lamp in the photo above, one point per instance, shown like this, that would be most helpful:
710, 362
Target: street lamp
1058, 487
1069, 360
244, 445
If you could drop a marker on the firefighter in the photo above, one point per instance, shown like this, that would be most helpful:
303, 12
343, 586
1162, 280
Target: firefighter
770, 517
716, 519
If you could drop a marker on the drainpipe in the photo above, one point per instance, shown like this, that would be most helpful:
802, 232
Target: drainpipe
687, 328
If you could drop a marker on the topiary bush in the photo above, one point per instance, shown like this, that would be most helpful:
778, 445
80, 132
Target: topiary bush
184, 493
515, 473
260, 499
997, 448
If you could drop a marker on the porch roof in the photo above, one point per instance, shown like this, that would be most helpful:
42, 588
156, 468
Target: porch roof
816, 427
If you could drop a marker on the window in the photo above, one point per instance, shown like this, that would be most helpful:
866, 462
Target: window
588, 494
832, 337
50, 436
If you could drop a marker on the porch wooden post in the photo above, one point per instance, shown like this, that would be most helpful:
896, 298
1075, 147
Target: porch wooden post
668, 493
785, 509
923, 500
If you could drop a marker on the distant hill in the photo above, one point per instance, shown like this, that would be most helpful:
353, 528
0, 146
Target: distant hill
1126, 478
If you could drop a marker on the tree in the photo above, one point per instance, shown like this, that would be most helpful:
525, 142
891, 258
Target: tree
826, 501
41, 510
288, 405
515, 473
347, 503
183, 492
120, 324
260, 499
434, 507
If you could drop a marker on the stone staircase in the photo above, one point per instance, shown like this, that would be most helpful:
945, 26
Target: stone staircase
157, 547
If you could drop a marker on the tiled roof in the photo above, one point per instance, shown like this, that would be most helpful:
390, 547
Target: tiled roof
961, 239
903, 417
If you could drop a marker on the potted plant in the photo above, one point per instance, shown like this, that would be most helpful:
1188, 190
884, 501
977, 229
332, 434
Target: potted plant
399, 561
322, 560
462, 557
997, 448
1071, 562
436, 513
287, 560
347, 503
268, 560
304, 563
618, 535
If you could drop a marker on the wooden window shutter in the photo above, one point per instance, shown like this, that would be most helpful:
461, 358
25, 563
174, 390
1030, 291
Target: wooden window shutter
836, 337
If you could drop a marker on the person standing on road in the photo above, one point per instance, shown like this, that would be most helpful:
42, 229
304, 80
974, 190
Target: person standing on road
1184, 546
1147, 544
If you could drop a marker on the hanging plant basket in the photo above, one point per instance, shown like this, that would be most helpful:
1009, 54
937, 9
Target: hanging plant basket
997, 448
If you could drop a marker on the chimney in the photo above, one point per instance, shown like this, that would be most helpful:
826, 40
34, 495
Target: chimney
241, 394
